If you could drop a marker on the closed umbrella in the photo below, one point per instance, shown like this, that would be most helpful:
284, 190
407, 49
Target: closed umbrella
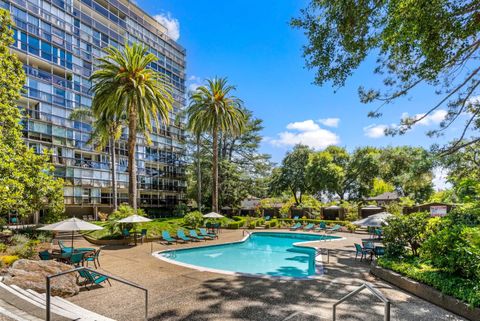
71, 225
134, 219
375, 220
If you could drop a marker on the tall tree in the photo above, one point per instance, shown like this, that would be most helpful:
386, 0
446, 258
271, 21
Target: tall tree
409, 169
123, 84
106, 131
436, 43
347, 176
27, 184
215, 111
292, 175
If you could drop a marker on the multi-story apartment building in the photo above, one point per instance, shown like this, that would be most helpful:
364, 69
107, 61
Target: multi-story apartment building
58, 42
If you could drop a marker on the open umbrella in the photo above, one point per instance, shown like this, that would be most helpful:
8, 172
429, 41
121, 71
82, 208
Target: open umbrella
213, 215
71, 225
375, 220
134, 219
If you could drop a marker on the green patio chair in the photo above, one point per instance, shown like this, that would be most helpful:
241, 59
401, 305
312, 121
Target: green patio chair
181, 235
76, 258
125, 233
335, 228
195, 236
362, 251
167, 238
379, 251
205, 234
143, 235
92, 278
309, 227
45, 255
94, 258
296, 226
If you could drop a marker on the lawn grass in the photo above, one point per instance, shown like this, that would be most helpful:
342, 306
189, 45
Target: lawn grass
467, 290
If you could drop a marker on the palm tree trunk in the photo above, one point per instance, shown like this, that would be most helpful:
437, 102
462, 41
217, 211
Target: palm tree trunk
114, 173
215, 171
199, 176
132, 166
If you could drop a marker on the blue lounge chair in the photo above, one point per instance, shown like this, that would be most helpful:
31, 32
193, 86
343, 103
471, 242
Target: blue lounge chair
93, 258
335, 228
204, 233
295, 218
92, 278
167, 238
321, 227
195, 236
181, 235
63, 248
309, 227
267, 218
296, 226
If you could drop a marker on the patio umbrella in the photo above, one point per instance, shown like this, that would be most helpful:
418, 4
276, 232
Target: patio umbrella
375, 220
213, 215
134, 219
71, 225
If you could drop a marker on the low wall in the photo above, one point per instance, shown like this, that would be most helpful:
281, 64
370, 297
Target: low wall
427, 293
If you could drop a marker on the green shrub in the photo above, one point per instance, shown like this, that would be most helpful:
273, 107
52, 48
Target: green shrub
235, 225
455, 249
3, 247
123, 211
351, 227
467, 290
405, 230
193, 219
271, 224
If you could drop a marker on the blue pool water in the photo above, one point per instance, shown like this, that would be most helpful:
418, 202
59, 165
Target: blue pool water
262, 254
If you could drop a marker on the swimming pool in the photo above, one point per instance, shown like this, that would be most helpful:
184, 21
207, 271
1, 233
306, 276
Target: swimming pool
261, 253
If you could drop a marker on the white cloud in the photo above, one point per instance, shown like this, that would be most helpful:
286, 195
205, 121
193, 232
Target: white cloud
434, 118
194, 82
307, 133
375, 131
329, 122
172, 24
440, 179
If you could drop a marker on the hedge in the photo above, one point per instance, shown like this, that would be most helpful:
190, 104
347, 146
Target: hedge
314, 221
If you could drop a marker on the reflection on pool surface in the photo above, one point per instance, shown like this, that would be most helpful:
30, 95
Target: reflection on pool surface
262, 253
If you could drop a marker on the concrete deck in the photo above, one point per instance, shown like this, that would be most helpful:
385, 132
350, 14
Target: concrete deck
179, 294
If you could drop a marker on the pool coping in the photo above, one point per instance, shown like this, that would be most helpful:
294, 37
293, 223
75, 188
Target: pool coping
319, 271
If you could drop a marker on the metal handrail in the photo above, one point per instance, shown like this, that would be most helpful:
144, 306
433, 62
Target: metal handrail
245, 231
377, 293
49, 277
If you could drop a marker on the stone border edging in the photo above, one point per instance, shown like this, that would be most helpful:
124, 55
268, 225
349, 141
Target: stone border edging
426, 292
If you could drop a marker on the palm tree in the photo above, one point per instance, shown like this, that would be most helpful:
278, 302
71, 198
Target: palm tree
105, 131
212, 109
123, 82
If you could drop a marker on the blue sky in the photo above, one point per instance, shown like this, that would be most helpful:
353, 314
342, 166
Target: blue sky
252, 44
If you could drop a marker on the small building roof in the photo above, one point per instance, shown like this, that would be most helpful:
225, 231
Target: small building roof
387, 196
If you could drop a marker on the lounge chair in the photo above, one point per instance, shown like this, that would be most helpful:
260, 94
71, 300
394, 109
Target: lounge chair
92, 278
93, 258
204, 233
362, 251
321, 227
181, 235
295, 218
267, 218
195, 236
335, 228
296, 227
309, 227
167, 238
63, 248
